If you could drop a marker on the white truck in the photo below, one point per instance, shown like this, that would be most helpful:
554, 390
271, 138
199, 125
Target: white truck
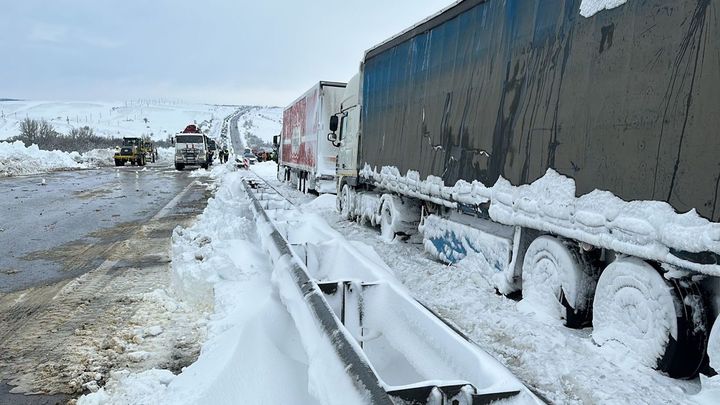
305, 158
191, 148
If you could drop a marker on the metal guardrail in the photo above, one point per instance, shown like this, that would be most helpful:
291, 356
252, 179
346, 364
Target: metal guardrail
355, 363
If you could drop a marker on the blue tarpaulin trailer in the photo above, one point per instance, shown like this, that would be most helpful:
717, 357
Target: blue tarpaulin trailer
626, 101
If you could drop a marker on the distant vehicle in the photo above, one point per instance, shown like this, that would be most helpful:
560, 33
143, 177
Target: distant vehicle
136, 151
191, 149
245, 160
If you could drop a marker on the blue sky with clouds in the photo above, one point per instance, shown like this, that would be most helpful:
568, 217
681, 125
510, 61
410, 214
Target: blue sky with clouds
219, 51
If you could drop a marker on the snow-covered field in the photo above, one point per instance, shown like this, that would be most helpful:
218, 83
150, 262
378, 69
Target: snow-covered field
155, 118
263, 122
115, 119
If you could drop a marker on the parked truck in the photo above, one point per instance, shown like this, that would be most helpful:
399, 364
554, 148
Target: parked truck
576, 157
305, 158
191, 148
137, 151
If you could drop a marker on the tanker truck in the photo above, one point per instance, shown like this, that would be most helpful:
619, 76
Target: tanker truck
574, 155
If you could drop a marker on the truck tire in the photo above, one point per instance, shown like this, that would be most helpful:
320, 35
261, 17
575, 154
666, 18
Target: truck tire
398, 217
119, 162
662, 322
344, 202
142, 160
555, 280
179, 166
133, 162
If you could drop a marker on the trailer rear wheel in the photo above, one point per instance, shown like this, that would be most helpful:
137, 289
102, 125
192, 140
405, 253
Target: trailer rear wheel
398, 217
661, 321
555, 281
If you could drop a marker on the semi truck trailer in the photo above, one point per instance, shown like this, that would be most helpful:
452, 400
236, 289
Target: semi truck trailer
305, 158
574, 157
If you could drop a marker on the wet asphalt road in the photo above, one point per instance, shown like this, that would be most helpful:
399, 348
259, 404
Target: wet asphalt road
42, 225
109, 226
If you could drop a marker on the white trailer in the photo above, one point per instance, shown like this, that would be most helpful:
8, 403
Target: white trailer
305, 158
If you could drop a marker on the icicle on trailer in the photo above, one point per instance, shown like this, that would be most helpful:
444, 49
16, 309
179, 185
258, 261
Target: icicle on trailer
577, 156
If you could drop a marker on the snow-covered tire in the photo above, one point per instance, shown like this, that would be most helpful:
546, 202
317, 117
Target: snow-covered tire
388, 216
398, 217
662, 322
556, 282
344, 202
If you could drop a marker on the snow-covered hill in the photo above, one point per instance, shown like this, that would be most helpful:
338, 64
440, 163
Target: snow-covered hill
156, 118
263, 122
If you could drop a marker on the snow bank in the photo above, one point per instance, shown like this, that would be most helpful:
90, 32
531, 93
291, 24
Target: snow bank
588, 8
252, 347
17, 159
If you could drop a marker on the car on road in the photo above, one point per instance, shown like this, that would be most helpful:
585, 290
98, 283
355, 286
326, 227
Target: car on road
245, 160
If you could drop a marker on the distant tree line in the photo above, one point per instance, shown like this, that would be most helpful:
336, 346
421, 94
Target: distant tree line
81, 139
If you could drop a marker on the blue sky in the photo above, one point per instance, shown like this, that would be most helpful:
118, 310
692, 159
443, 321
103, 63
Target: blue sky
217, 51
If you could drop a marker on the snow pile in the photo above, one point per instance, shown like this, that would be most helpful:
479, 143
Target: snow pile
588, 8
252, 347
16, 159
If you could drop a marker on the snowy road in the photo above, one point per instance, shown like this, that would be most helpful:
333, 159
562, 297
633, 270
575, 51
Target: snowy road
83, 258
75, 214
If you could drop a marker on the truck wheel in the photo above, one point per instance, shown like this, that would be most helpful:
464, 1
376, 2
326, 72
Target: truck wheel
132, 162
344, 202
398, 217
554, 281
119, 162
179, 166
142, 161
663, 322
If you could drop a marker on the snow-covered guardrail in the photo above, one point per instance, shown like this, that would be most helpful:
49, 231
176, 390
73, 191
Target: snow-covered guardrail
353, 316
357, 369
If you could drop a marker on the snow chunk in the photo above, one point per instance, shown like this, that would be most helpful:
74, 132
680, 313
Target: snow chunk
588, 8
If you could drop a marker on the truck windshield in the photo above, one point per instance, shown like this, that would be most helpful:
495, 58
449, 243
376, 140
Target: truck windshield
189, 139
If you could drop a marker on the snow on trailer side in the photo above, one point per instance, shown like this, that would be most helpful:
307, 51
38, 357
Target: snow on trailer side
305, 157
556, 145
